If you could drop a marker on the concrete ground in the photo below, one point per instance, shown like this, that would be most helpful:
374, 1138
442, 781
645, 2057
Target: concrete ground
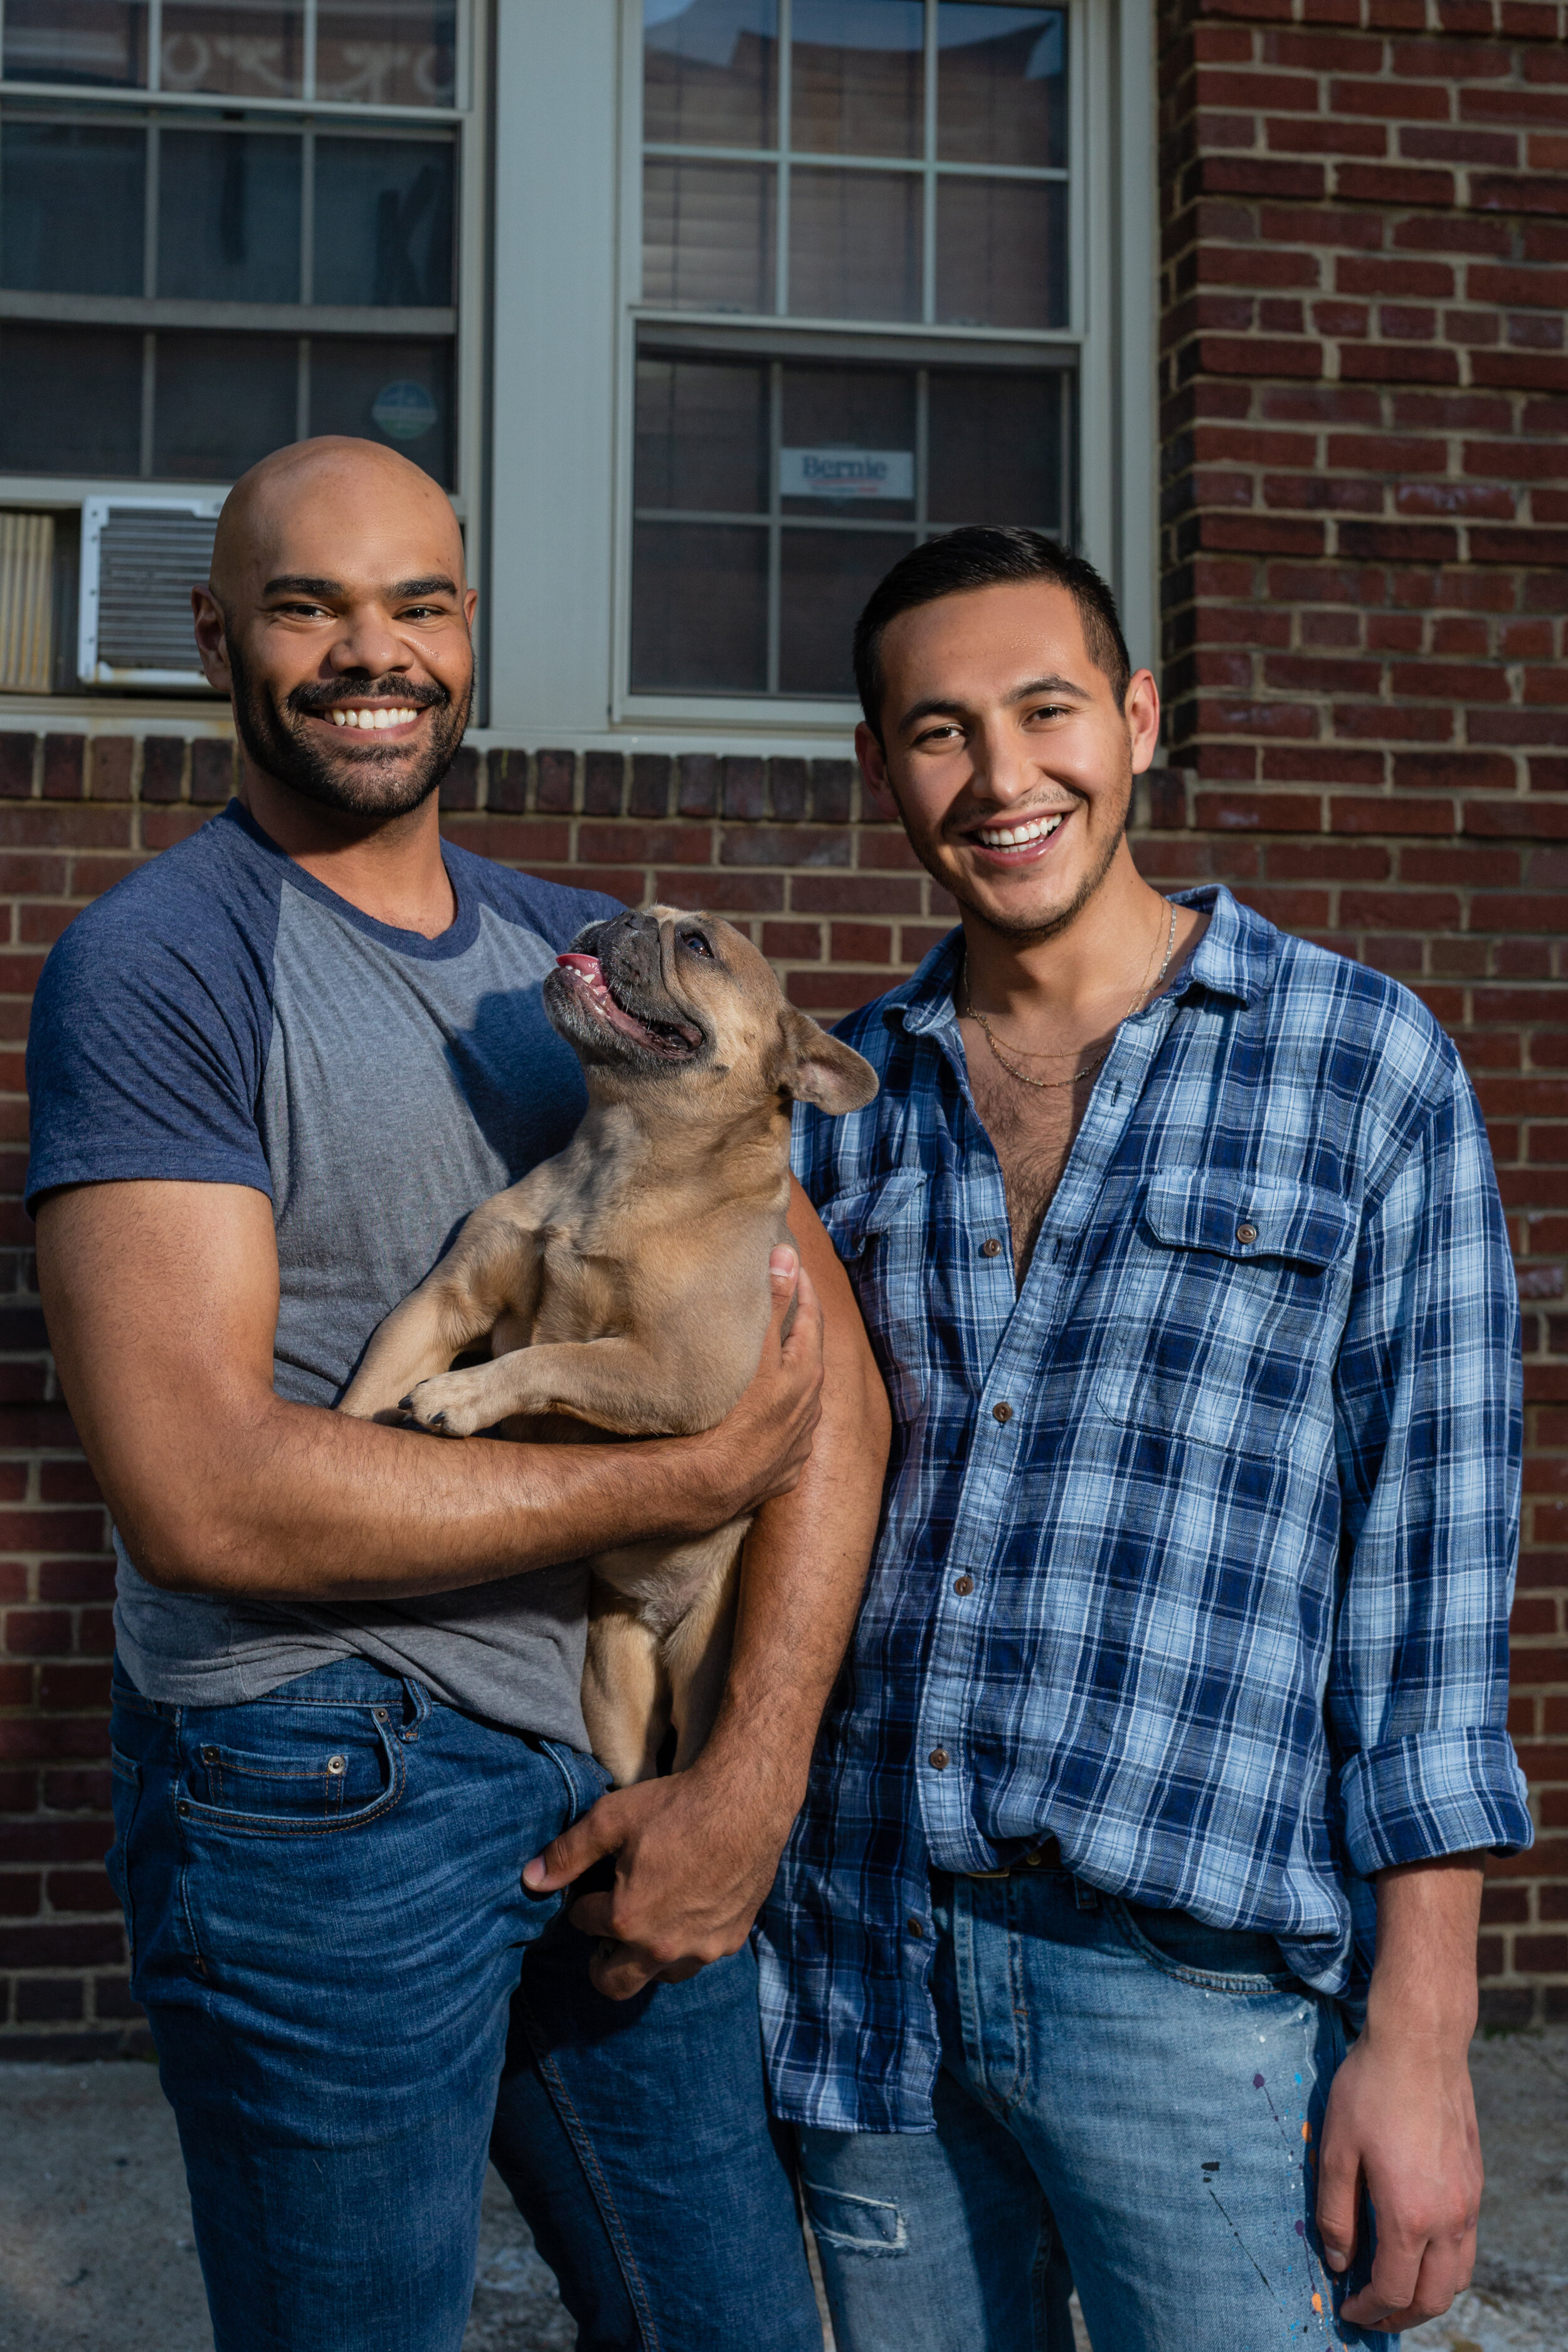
95, 2227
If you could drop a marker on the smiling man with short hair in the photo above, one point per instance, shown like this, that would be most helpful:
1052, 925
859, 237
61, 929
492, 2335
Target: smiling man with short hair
1180, 1680
270, 1074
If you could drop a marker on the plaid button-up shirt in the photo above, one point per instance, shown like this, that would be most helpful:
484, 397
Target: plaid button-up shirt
1198, 1546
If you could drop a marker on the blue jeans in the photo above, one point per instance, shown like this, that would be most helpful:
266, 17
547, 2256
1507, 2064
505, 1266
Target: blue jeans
357, 2002
1127, 2099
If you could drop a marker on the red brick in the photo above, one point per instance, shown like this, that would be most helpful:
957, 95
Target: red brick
853, 894
1260, 812
1347, 814
829, 993
1374, 183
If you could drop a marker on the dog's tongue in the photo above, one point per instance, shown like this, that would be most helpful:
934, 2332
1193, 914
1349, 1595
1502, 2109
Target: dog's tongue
586, 964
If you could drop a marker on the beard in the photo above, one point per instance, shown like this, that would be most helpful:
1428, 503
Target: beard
374, 780
1024, 927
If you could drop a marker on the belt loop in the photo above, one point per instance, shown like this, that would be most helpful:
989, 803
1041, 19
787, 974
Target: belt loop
1086, 1898
418, 1703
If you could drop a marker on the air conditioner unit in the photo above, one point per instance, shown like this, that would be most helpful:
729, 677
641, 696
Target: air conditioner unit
27, 603
140, 560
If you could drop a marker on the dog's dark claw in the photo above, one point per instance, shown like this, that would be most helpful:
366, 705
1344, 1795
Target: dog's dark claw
438, 1421
405, 1404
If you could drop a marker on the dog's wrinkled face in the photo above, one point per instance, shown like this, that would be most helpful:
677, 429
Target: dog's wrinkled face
646, 999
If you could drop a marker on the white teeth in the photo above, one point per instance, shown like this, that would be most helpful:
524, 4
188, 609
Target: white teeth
1016, 836
380, 715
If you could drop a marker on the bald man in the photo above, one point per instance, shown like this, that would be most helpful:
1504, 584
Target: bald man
271, 1073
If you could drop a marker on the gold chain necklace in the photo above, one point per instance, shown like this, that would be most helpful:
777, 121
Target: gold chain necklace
1146, 989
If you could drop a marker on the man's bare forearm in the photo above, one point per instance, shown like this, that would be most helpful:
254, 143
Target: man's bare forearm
162, 1303
1424, 1978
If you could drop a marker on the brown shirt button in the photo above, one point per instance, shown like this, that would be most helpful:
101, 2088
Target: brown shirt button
916, 1927
1246, 1233
1002, 1412
992, 1248
963, 1584
939, 1759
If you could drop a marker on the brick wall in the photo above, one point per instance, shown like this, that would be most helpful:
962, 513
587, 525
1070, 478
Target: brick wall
1365, 429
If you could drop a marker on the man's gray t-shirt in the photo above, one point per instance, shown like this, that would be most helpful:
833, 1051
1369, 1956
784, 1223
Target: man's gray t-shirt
222, 1017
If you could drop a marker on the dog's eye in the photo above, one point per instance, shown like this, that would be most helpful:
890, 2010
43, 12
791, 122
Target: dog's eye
695, 942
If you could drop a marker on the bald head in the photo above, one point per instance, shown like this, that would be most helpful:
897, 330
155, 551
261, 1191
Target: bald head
337, 621
358, 494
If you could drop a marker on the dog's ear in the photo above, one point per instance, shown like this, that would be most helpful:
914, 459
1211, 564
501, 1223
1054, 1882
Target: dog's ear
821, 1070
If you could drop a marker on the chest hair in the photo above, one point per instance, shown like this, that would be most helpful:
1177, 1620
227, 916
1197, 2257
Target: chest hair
1032, 1132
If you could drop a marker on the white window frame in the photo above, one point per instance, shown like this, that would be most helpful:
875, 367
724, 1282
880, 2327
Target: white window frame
469, 117
1111, 196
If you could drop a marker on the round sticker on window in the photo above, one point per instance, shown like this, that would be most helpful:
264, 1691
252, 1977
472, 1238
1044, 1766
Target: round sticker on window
403, 412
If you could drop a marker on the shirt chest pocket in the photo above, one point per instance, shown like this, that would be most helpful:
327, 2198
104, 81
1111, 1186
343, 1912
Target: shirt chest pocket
1236, 1289
880, 1233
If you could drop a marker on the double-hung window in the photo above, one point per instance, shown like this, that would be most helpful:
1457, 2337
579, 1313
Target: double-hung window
222, 228
858, 319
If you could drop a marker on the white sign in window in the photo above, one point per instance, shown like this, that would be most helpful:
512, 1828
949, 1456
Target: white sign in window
847, 474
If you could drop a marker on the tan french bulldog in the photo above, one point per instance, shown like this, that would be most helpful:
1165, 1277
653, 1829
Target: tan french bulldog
623, 1283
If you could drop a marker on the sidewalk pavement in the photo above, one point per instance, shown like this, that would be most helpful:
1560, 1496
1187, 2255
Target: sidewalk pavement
95, 2228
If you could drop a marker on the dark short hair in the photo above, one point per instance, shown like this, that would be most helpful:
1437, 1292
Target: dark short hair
986, 555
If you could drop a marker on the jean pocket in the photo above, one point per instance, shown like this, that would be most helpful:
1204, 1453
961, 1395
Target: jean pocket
1221, 1959
271, 1770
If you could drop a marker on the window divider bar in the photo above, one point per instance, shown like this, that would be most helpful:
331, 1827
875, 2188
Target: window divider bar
923, 450
149, 390
781, 172
302, 391
154, 44
149, 218
775, 517
308, 61
307, 213
928, 175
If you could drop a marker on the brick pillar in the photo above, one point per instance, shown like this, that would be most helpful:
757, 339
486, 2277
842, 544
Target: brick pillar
1365, 429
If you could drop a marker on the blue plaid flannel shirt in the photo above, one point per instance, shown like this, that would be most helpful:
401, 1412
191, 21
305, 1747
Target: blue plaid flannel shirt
1198, 1551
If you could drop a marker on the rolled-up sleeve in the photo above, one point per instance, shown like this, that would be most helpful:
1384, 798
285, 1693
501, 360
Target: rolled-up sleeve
1429, 1437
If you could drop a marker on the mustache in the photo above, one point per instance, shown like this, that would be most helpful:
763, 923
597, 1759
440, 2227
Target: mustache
309, 701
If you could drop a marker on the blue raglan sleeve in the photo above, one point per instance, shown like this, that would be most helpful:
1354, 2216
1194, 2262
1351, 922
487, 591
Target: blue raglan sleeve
1429, 1424
148, 1041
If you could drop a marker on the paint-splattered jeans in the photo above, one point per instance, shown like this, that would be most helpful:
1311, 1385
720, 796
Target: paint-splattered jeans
1129, 2101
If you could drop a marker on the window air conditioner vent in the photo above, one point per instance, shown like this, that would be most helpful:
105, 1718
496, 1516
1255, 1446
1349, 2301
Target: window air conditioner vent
27, 602
140, 560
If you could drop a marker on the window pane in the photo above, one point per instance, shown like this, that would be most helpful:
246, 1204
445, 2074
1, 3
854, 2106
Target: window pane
701, 435
76, 40
708, 236
858, 76
383, 222
387, 52
855, 244
827, 578
378, 390
228, 216
222, 402
71, 208
1001, 89
70, 400
864, 416
699, 608
257, 51
1001, 253
709, 71
997, 448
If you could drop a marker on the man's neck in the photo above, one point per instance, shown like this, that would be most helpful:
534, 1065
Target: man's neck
392, 870
1115, 939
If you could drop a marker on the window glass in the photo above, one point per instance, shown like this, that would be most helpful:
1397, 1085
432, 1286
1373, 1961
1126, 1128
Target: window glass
76, 40
849, 430
1001, 253
383, 222
858, 77
228, 216
252, 52
854, 244
700, 622
702, 435
376, 389
827, 578
709, 72
708, 236
997, 448
220, 403
71, 207
70, 400
1001, 84
387, 52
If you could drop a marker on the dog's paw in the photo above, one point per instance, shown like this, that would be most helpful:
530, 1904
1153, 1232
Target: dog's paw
447, 1405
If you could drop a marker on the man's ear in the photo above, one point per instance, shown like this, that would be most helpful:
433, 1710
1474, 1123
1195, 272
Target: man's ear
823, 1070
